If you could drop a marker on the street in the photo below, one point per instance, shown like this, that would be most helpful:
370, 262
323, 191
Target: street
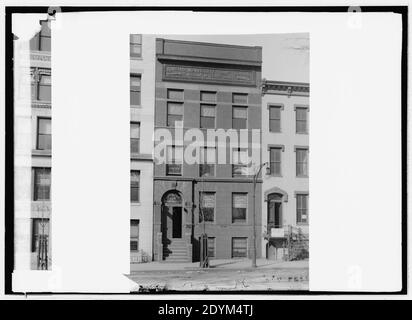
276, 276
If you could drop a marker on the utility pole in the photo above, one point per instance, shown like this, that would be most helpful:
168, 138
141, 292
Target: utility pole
254, 214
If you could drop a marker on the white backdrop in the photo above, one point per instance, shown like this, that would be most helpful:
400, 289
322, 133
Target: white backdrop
355, 156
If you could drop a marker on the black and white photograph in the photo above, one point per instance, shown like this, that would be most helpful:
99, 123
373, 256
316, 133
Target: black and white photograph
185, 152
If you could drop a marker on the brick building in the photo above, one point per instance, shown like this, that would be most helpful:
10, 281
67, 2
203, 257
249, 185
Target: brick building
204, 86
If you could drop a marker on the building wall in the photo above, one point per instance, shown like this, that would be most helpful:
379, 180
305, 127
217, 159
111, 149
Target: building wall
189, 184
288, 138
143, 211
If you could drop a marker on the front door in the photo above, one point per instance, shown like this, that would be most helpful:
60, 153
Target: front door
275, 213
177, 222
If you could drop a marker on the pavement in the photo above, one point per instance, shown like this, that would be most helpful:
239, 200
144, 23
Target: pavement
223, 275
234, 264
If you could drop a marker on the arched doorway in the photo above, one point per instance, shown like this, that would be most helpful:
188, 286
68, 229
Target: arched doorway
172, 217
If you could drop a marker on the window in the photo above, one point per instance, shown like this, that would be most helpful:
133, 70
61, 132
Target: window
136, 45
239, 207
207, 161
274, 118
207, 206
302, 208
135, 137
240, 160
239, 247
275, 155
175, 94
301, 119
239, 118
174, 160
40, 231
135, 186
301, 162
44, 93
239, 98
174, 113
135, 90
207, 96
45, 37
134, 235
43, 134
207, 116
211, 242
42, 182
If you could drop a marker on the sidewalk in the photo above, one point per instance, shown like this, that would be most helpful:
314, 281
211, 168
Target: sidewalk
218, 264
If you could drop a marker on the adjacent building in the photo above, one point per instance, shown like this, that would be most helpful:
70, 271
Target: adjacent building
205, 86
285, 147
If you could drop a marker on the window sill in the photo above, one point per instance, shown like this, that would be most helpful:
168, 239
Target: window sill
137, 204
136, 106
304, 133
302, 224
302, 176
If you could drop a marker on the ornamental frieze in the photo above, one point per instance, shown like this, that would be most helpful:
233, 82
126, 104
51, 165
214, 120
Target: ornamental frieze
209, 74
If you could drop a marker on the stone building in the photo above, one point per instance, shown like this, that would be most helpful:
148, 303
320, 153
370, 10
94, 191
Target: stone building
285, 146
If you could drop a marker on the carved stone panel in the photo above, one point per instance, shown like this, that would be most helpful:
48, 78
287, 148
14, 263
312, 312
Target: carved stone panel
209, 74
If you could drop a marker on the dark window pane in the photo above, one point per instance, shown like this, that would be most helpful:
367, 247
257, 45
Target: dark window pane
301, 126
274, 125
42, 181
134, 145
135, 98
239, 124
45, 43
172, 119
175, 94
135, 186
134, 245
274, 112
207, 122
239, 98
44, 142
239, 215
206, 170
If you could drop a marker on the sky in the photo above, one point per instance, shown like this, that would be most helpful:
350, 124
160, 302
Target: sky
285, 56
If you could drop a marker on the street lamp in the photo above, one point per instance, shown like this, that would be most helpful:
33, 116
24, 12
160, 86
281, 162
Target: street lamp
254, 213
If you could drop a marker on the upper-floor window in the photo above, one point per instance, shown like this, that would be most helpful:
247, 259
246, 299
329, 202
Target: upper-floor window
40, 232
43, 134
134, 235
302, 154
302, 208
239, 117
42, 183
239, 98
174, 113
207, 206
135, 186
207, 96
136, 45
301, 119
207, 161
207, 116
135, 89
41, 85
42, 40
174, 160
275, 118
134, 137
275, 155
240, 162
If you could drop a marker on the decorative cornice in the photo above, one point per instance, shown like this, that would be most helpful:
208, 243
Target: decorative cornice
285, 88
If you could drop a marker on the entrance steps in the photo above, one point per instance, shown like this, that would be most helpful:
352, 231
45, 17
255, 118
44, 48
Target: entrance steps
176, 251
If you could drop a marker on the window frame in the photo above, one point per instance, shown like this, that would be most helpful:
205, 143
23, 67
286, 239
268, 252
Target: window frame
246, 247
135, 139
281, 108
134, 239
136, 89
237, 106
203, 162
43, 134
240, 165
281, 149
35, 192
306, 121
135, 186
301, 209
214, 207
297, 163
35, 222
134, 55
214, 247
170, 100
240, 221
